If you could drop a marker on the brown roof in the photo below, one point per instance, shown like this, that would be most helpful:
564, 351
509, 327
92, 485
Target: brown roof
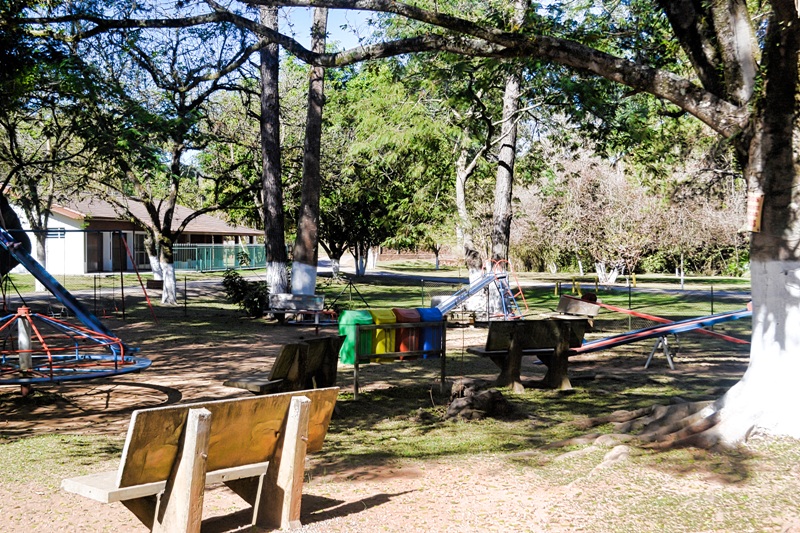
99, 210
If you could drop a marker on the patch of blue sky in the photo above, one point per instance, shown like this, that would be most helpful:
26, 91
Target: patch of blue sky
346, 28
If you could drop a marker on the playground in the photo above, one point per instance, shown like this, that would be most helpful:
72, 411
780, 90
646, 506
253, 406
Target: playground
391, 462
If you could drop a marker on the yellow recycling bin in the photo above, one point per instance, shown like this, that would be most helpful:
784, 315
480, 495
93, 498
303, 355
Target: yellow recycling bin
383, 340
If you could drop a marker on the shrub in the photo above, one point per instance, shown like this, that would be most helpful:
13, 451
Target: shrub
250, 296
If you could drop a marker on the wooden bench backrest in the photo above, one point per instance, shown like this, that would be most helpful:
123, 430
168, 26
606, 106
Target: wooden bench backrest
320, 354
532, 333
574, 306
243, 431
296, 302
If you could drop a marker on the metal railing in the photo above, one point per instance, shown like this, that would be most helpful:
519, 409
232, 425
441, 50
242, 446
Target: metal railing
210, 257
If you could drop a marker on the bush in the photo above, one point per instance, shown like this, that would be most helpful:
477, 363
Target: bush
250, 296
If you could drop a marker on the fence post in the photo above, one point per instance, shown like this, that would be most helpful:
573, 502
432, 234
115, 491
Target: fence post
630, 306
423, 292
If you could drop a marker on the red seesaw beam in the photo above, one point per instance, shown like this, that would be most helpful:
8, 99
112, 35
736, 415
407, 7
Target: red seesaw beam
665, 321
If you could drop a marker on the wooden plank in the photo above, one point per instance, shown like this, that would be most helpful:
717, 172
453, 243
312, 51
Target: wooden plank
255, 384
280, 500
180, 508
290, 359
243, 431
575, 306
102, 487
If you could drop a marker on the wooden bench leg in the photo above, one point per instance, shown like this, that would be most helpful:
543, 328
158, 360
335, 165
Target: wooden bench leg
281, 493
510, 368
557, 365
180, 508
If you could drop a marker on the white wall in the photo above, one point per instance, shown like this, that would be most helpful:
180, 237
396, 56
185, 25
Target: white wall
65, 251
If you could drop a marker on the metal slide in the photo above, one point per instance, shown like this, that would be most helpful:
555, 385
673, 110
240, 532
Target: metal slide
466, 293
680, 326
62, 295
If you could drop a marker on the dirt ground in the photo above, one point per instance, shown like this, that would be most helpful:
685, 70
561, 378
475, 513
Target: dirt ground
481, 493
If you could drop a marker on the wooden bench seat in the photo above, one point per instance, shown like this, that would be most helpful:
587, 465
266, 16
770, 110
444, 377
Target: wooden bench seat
256, 446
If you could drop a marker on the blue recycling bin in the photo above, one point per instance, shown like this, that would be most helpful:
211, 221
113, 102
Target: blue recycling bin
348, 321
431, 337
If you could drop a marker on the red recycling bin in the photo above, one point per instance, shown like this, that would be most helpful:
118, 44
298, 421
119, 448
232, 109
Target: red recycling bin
407, 338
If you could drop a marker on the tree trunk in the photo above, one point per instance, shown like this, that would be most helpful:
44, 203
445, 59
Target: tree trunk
361, 256
304, 264
152, 255
271, 186
767, 396
472, 256
41, 256
169, 291
501, 223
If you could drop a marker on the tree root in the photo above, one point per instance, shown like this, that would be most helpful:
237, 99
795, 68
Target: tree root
658, 427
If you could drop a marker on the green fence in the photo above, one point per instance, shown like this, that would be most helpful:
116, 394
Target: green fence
208, 257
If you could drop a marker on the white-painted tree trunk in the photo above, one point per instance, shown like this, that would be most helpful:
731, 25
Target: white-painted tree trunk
304, 278
169, 291
277, 278
41, 256
767, 397
155, 266
336, 267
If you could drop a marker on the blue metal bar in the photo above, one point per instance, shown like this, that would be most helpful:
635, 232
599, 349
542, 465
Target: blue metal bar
62, 295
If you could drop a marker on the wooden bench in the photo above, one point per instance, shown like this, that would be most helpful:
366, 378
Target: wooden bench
549, 339
310, 364
256, 446
300, 304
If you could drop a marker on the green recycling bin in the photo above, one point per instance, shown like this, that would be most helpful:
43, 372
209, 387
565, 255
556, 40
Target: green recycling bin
348, 321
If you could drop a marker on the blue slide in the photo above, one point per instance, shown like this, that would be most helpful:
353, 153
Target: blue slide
62, 295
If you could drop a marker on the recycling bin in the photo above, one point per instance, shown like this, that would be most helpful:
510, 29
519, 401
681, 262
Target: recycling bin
407, 338
348, 321
431, 336
383, 340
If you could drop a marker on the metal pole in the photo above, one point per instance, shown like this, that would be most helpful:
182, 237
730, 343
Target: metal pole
423, 293
122, 266
630, 306
185, 301
95, 294
355, 367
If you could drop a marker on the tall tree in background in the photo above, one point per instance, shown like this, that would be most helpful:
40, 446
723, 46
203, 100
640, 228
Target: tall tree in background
304, 260
271, 185
504, 186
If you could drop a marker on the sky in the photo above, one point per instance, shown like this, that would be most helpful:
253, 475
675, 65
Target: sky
296, 22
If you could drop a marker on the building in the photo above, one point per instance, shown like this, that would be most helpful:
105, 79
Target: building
85, 237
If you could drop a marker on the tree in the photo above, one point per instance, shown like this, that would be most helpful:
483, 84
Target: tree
304, 264
271, 185
503, 193
42, 147
383, 166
